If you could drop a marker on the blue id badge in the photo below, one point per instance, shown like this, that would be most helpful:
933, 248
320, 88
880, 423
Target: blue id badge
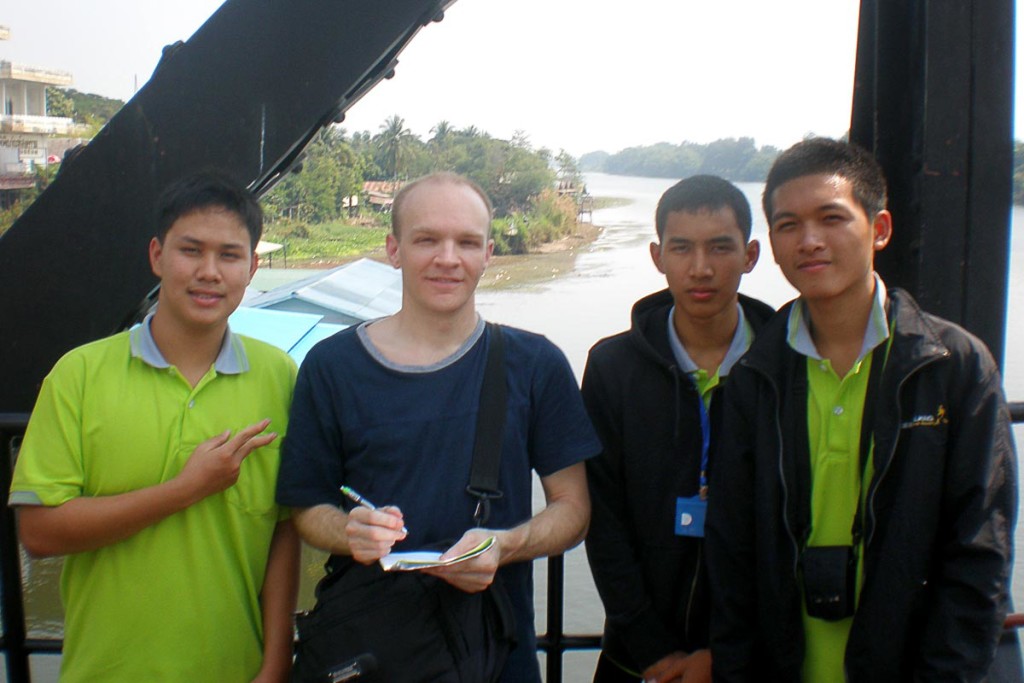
690, 513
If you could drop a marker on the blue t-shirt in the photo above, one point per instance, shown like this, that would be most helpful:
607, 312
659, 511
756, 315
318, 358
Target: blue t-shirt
404, 435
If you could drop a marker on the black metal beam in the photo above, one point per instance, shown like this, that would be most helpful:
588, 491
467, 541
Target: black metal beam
933, 100
245, 94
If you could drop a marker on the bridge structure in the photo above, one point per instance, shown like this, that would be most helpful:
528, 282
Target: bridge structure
932, 100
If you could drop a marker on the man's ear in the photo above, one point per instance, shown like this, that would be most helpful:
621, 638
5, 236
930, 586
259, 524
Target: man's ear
881, 230
753, 253
391, 247
656, 256
155, 250
254, 263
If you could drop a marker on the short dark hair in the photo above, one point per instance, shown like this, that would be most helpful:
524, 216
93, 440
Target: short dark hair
817, 156
204, 190
439, 178
703, 192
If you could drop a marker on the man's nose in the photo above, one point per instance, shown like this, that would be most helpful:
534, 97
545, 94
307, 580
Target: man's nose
811, 237
446, 252
700, 265
208, 267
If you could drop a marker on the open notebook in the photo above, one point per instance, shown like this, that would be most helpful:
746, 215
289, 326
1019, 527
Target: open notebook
421, 559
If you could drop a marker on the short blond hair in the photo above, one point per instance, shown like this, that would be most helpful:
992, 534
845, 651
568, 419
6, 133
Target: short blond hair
440, 178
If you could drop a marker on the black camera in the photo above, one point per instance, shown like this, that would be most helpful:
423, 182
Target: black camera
830, 576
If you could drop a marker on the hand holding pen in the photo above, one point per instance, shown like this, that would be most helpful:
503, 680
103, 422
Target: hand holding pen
371, 532
352, 495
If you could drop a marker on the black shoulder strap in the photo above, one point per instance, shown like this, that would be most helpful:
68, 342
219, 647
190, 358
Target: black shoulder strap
490, 427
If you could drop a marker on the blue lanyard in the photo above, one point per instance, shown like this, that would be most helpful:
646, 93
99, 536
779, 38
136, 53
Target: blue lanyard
705, 442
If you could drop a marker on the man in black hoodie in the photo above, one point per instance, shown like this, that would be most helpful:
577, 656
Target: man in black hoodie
653, 395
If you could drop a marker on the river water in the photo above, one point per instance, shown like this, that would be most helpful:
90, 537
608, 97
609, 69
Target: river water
574, 310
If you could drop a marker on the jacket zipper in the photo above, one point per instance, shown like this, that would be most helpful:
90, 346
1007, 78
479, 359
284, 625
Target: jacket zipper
693, 591
782, 475
785, 487
895, 442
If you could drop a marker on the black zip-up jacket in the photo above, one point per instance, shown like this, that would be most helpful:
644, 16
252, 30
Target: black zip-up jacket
645, 410
938, 519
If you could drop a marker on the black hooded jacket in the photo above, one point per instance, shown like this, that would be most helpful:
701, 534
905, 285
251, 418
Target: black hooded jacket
938, 519
645, 409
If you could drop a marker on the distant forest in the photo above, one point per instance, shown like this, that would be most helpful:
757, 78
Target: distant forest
737, 159
92, 110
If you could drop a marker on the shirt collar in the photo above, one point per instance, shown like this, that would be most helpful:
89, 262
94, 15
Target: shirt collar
231, 360
798, 331
741, 340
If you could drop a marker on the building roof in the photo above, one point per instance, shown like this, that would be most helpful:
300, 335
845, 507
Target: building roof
382, 187
36, 74
357, 291
16, 181
295, 333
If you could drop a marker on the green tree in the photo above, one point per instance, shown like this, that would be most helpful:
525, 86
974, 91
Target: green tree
441, 145
594, 161
568, 168
757, 168
331, 171
393, 143
443, 132
44, 175
728, 157
58, 103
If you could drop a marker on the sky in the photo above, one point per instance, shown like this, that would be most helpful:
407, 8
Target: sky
579, 75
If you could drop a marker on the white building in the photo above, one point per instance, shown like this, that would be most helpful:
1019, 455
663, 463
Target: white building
25, 124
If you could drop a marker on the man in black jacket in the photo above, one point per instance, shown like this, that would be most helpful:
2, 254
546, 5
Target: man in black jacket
652, 393
865, 488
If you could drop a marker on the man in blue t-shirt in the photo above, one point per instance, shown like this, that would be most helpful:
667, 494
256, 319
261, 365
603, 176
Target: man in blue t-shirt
389, 409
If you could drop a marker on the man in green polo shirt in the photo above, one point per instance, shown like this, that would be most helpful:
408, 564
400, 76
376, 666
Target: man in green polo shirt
864, 493
147, 463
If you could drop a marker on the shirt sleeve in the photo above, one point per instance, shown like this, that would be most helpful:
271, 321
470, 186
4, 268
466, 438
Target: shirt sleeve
561, 433
49, 469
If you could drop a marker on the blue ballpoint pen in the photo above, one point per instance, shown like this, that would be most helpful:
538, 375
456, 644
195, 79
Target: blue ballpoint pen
358, 499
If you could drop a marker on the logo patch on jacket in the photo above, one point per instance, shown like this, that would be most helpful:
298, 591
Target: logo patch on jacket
935, 420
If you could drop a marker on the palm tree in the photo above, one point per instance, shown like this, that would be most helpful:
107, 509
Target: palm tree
442, 133
393, 141
441, 143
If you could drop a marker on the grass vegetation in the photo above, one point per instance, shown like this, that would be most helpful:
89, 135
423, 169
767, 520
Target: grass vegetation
331, 241
611, 202
550, 217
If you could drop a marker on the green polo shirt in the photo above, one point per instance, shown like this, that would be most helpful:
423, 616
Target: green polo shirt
178, 601
835, 410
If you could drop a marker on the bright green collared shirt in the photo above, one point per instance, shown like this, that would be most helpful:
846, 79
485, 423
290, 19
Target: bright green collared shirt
835, 411
179, 600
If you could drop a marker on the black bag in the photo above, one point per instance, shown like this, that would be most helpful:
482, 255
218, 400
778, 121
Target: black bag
416, 628
409, 627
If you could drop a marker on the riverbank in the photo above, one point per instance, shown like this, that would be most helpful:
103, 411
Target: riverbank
548, 261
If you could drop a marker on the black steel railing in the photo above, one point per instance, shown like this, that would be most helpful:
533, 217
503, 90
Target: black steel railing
17, 647
13, 642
